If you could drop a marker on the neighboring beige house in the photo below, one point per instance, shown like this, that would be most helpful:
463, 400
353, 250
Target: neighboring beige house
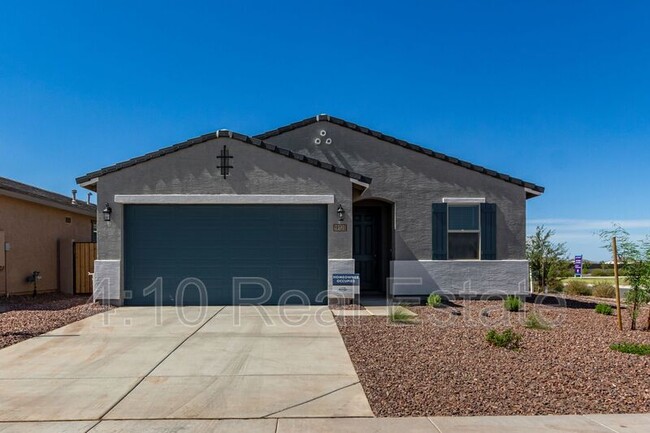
37, 231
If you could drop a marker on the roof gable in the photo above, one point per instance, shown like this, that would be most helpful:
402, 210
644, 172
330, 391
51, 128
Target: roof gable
535, 189
222, 133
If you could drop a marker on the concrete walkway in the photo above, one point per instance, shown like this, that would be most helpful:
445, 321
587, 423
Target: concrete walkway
186, 363
634, 423
222, 369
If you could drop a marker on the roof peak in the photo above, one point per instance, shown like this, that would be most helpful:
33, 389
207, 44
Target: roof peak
402, 143
222, 133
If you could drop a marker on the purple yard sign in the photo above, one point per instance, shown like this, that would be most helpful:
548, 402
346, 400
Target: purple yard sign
577, 265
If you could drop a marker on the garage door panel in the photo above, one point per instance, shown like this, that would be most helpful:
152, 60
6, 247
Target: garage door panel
285, 245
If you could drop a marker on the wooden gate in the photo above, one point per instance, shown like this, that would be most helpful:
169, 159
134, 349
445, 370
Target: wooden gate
85, 254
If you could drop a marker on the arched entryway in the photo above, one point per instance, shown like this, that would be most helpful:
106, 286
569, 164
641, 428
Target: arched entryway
373, 244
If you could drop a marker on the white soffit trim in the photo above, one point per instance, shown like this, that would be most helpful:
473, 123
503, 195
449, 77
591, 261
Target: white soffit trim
91, 182
358, 182
532, 192
463, 200
222, 199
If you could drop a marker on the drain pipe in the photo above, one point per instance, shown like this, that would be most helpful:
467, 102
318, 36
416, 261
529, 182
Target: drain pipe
6, 247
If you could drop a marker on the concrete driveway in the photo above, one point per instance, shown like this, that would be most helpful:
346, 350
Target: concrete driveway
168, 363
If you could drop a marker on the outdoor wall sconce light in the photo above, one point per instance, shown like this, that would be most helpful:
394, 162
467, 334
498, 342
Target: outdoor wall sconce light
107, 212
341, 212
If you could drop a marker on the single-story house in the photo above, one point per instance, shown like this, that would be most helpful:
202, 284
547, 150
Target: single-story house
38, 231
291, 214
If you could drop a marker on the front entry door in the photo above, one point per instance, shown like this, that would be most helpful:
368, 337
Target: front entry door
367, 247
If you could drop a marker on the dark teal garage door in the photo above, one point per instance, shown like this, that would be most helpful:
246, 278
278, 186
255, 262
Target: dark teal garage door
225, 254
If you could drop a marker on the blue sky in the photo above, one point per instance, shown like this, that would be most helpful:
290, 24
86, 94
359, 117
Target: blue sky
555, 92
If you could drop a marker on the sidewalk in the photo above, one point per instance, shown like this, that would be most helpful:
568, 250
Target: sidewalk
628, 423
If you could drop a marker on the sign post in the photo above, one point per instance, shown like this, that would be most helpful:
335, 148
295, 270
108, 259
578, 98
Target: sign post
577, 266
618, 287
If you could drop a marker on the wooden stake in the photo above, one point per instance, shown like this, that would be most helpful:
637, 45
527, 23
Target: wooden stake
618, 288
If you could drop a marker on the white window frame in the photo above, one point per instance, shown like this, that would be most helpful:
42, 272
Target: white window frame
465, 203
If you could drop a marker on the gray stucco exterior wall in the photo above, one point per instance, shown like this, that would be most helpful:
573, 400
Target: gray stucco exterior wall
465, 278
193, 170
413, 181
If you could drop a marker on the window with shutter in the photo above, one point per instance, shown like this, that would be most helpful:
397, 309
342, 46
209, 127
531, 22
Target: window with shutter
464, 231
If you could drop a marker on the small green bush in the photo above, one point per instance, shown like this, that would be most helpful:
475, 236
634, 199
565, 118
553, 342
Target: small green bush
512, 303
434, 300
556, 286
633, 348
577, 287
604, 309
534, 322
604, 290
602, 273
507, 339
401, 315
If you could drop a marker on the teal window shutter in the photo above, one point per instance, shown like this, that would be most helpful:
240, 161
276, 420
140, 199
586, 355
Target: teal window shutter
439, 231
488, 231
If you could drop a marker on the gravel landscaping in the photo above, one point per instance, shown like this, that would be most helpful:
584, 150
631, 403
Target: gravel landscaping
443, 365
23, 317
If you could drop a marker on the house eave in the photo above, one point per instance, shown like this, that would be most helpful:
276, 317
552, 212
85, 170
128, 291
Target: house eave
48, 203
89, 184
362, 186
531, 193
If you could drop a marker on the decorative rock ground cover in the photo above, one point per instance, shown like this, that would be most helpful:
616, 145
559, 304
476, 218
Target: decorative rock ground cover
442, 365
23, 317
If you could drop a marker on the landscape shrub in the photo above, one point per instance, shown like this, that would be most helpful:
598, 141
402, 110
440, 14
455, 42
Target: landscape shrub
535, 322
602, 273
577, 287
556, 286
547, 259
507, 339
633, 348
512, 303
604, 290
400, 315
434, 300
635, 265
604, 309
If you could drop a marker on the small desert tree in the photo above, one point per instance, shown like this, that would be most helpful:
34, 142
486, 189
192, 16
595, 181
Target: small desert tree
547, 259
634, 257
